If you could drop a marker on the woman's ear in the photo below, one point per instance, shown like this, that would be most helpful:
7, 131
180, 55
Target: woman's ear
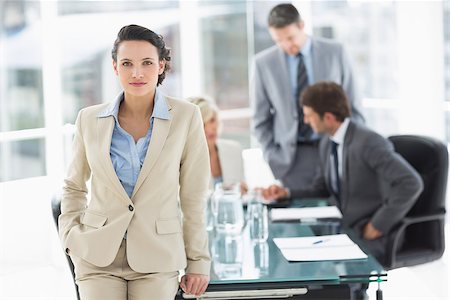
162, 65
114, 63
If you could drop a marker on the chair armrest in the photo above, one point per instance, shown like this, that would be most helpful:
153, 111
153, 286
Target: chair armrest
420, 219
393, 241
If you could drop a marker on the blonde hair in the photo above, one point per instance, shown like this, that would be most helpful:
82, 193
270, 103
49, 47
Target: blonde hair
207, 108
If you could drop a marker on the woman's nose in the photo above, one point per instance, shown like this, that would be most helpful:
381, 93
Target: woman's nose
137, 73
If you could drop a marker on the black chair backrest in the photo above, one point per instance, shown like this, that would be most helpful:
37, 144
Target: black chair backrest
429, 157
56, 211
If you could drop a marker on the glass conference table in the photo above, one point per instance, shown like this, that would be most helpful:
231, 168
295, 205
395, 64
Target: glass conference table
242, 269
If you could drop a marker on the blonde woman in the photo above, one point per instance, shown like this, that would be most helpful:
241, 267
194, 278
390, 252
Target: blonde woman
225, 155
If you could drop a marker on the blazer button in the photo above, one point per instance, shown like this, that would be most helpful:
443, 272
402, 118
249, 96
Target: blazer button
130, 207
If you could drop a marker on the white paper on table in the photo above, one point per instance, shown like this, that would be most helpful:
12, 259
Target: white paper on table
316, 248
324, 253
305, 213
314, 241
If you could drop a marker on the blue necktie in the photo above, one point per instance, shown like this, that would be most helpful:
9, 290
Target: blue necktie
334, 167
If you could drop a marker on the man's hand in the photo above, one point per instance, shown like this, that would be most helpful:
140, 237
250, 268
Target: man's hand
275, 192
194, 284
370, 232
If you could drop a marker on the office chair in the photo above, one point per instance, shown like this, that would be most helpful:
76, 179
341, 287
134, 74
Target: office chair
56, 210
419, 238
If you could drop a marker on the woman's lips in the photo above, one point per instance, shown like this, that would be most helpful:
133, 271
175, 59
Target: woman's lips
138, 84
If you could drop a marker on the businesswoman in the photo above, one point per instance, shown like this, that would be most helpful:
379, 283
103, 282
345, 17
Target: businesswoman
225, 155
147, 158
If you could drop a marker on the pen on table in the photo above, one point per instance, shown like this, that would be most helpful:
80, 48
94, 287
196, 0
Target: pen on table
320, 241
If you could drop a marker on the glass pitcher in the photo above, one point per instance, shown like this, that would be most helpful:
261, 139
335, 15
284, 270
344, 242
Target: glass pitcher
227, 209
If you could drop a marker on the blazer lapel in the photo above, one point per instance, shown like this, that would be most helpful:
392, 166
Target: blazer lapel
345, 181
286, 82
326, 154
159, 135
317, 62
105, 126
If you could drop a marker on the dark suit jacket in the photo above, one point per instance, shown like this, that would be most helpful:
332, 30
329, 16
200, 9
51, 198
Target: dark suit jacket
377, 184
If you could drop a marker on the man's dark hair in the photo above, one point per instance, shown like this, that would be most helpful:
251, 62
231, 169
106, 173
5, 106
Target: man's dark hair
139, 33
283, 15
326, 96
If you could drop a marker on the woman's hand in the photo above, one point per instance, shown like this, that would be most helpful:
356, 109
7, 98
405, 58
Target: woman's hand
194, 284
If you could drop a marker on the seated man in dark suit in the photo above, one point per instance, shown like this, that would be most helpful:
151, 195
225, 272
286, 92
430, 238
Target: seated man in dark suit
372, 185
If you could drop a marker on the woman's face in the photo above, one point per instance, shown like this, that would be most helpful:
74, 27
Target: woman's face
211, 129
138, 67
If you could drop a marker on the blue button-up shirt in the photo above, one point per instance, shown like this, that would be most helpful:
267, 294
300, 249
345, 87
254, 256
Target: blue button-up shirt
127, 156
292, 62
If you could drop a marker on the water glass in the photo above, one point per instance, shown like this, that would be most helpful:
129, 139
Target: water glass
228, 211
258, 222
227, 252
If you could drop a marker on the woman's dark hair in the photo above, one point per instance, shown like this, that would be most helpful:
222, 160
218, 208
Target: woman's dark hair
326, 96
139, 33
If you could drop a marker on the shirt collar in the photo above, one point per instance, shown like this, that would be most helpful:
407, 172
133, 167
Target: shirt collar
305, 51
160, 109
339, 135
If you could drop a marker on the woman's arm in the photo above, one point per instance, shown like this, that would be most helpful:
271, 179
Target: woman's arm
74, 199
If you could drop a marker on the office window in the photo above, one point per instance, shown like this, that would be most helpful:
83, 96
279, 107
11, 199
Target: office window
238, 130
225, 62
368, 32
69, 7
22, 159
21, 101
446, 20
224, 47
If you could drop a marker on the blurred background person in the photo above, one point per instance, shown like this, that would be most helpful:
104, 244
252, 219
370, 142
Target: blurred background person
225, 155
280, 74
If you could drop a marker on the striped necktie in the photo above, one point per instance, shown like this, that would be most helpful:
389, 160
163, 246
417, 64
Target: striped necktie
304, 130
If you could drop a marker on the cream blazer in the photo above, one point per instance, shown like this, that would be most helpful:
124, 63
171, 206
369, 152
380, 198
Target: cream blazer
164, 219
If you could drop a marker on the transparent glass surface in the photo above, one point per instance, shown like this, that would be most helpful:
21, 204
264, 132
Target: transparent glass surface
21, 97
225, 56
238, 130
22, 159
357, 26
236, 259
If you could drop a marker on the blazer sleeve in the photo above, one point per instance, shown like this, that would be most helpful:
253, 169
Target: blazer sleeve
262, 115
405, 184
350, 87
74, 197
318, 187
194, 180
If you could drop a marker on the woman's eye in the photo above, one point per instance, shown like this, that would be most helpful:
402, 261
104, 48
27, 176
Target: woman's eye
147, 62
126, 64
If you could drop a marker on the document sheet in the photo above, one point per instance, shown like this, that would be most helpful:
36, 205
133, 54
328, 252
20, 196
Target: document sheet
318, 248
305, 213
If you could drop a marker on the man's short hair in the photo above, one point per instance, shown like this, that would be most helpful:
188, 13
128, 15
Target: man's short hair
283, 15
326, 96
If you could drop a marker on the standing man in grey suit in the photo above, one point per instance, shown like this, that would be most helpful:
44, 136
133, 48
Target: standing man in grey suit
373, 186
280, 73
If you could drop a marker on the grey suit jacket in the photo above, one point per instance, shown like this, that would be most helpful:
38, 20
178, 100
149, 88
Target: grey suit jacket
377, 184
275, 115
